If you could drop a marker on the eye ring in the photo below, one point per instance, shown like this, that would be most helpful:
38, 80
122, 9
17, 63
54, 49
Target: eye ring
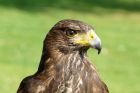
71, 32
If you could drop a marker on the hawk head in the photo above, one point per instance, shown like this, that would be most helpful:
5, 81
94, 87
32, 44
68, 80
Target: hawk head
72, 35
64, 66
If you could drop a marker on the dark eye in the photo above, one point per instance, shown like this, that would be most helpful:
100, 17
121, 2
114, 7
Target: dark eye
71, 32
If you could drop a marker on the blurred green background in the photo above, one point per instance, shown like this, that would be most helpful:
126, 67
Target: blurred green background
25, 23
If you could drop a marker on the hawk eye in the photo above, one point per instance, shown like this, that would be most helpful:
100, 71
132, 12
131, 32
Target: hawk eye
71, 32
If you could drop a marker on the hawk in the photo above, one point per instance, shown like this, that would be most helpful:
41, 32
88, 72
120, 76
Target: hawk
64, 65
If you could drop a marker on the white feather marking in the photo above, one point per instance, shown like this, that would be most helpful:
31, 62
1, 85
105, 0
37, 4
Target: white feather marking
40, 89
79, 82
78, 63
86, 75
69, 90
70, 84
92, 67
82, 67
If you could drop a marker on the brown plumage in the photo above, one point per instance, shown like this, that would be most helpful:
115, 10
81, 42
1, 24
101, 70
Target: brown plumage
64, 65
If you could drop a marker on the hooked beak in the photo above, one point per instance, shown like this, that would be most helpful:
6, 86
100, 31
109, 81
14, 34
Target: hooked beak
96, 43
98, 47
89, 39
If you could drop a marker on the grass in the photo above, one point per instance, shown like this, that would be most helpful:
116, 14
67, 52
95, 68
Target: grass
22, 33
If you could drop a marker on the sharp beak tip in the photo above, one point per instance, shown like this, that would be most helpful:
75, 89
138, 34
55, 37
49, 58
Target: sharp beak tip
99, 51
99, 48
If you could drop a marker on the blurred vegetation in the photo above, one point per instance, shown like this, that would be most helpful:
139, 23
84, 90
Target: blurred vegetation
25, 23
76, 5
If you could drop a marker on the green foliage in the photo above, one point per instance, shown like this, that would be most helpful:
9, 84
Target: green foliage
22, 32
76, 5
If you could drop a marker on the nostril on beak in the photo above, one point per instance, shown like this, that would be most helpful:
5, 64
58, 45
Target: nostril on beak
91, 37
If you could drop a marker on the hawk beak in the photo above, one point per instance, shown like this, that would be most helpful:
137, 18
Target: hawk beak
89, 39
98, 47
95, 43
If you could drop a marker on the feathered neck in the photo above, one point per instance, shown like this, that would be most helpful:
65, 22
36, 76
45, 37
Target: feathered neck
61, 57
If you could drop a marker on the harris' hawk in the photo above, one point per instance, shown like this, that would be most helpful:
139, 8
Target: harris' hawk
64, 65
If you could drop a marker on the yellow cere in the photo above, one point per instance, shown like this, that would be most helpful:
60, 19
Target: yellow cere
84, 39
91, 35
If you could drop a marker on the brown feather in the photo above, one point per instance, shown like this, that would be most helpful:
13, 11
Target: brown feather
64, 68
